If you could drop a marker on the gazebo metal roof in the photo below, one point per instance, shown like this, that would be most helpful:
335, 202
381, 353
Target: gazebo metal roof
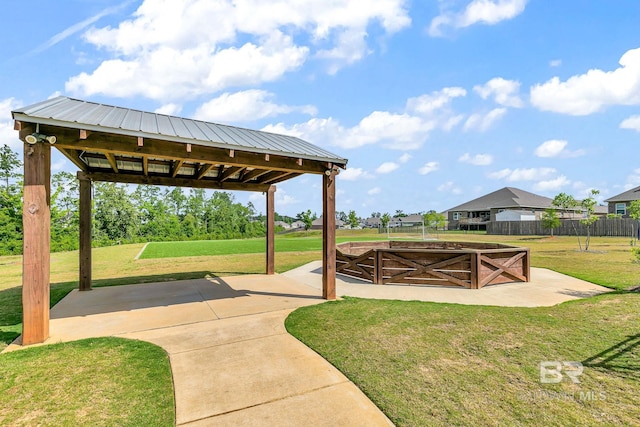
144, 147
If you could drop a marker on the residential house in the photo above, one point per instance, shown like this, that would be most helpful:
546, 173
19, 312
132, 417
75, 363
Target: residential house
317, 224
297, 224
282, 224
476, 213
619, 204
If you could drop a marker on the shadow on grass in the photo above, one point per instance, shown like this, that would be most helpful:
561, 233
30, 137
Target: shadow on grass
621, 358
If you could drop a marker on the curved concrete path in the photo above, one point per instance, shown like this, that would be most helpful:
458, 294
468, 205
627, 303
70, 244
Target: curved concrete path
232, 360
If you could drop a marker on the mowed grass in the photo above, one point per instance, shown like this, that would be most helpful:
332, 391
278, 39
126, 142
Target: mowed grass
401, 342
97, 382
429, 364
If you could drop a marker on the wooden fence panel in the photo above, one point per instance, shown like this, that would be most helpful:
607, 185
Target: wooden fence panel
614, 227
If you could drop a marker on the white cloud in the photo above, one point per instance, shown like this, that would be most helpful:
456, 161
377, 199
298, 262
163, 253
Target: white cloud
504, 92
489, 12
428, 168
354, 174
593, 91
530, 174
180, 50
246, 105
169, 109
281, 199
374, 191
478, 159
404, 158
482, 122
552, 184
556, 148
450, 187
555, 63
429, 103
8, 136
387, 167
632, 123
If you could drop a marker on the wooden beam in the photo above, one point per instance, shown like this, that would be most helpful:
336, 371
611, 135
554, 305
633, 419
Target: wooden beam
176, 182
84, 134
85, 233
256, 173
270, 258
17, 125
112, 161
204, 169
284, 178
329, 235
176, 167
74, 156
176, 151
145, 165
273, 176
228, 173
36, 220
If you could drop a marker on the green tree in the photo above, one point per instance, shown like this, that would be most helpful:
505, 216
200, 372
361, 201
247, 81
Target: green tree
115, 215
353, 219
65, 220
385, 219
9, 165
306, 218
634, 212
551, 220
434, 220
589, 205
567, 205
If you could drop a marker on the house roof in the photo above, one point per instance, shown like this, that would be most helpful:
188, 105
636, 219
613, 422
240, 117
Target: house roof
504, 198
627, 196
520, 212
91, 116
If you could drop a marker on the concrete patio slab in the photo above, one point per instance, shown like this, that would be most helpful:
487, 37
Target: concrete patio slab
546, 288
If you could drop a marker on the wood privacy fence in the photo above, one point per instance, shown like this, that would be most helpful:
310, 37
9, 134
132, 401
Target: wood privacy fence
469, 265
615, 227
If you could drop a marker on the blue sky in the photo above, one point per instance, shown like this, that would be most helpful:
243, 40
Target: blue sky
433, 102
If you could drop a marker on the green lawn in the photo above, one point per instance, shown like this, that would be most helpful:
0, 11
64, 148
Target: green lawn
428, 364
424, 364
97, 382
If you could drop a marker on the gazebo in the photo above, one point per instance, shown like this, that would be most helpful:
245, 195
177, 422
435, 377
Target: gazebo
115, 144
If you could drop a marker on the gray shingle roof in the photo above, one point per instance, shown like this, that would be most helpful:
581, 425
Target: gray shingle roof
78, 114
507, 197
627, 196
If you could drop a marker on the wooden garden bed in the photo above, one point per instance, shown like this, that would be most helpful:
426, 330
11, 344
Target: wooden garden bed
466, 264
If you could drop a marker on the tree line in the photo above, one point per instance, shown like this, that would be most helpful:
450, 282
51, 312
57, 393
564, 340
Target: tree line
121, 215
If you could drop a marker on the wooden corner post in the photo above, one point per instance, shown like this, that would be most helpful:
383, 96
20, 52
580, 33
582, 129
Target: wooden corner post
271, 229
36, 221
329, 235
84, 282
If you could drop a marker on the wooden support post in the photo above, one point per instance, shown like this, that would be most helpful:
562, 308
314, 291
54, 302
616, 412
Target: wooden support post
474, 266
36, 221
329, 236
85, 233
271, 229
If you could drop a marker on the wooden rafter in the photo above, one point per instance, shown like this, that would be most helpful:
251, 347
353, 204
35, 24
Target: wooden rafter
145, 165
204, 169
176, 167
112, 161
273, 176
74, 156
229, 172
256, 173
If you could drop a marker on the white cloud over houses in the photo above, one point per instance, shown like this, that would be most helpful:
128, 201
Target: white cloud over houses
556, 148
404, 158
592, 91
477, 160
552, 184
632, 123
169, 109
488, 12
180, 50
504, 92
374, 191
450, 187
522, 174
8, 136
429, 167
246, 105
407, 130
484, 121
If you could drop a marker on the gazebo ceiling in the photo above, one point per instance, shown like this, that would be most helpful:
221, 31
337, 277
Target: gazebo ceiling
116, 144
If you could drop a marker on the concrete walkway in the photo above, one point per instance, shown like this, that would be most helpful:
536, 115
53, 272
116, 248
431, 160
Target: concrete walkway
546, 288
233, 362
